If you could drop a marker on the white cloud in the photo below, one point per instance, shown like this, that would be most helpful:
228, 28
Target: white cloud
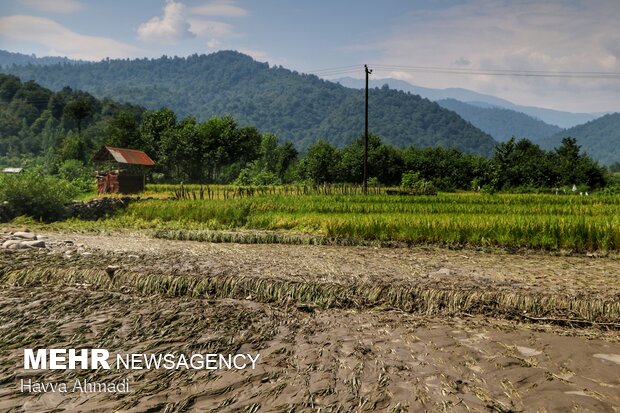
220, 8
214, 44
55, 6
172, 27
58, 40
210, 28
554, 35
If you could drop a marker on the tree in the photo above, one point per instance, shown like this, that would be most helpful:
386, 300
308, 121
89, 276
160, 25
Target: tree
268, 152
79, 109
320, 164
153, 126
286, 155
568, 161
73, 147
122, 131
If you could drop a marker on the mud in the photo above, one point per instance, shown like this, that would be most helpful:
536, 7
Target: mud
312, 359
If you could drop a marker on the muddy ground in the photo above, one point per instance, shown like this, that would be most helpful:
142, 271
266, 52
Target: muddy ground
312, 358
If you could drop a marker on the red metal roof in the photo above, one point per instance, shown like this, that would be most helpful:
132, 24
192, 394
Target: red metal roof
123, 155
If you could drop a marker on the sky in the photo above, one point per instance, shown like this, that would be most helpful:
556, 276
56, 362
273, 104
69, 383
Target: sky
569, 42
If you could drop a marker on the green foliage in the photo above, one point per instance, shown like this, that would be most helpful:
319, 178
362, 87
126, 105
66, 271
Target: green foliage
292, 106
412, 182
550, 222
219, 150
256, 175
321, 163
500, 123
524, 164
614, 167
79, 109
598, 138
34, 194
68, 124
79, 175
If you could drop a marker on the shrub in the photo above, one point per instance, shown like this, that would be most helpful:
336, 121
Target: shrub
79, 175
39, 196
256, 177
412, 182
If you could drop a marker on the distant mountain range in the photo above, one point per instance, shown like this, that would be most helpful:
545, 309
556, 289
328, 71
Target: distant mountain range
502, 124
10, 58
296, 107
553, 117
600, 138
303, 108
597, 133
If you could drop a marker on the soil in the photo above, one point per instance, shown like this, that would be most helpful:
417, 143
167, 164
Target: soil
311, 359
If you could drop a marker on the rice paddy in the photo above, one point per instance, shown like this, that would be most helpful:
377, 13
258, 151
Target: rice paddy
546, 222
340, 324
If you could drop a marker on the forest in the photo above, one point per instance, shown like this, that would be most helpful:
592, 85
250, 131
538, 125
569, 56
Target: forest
296, 107
60, 132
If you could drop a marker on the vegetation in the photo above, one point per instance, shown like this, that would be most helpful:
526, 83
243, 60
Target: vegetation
549, 222
40, 126
403, 296
33, 194
599, 138
295, 107
10, 58
501, 123
61, 131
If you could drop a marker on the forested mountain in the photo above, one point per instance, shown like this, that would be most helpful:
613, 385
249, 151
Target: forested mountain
599, 138
60, 131
501, 124
297, 107
10, 58
69, 124
553, 117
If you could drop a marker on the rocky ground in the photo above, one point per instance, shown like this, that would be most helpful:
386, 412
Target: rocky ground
313, 358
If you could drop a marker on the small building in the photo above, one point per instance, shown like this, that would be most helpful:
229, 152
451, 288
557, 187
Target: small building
12, 170
121, 170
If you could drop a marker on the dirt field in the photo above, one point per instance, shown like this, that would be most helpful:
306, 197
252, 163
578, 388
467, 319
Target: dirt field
350, 354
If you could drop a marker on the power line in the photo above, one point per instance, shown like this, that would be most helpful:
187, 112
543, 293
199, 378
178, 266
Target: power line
476, 72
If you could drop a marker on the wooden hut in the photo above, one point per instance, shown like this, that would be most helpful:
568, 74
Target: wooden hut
121, 170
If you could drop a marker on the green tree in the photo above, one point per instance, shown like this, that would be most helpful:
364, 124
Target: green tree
153, 126
79, 109
568, 161
122, 131
321, 163
286, 155
73, 147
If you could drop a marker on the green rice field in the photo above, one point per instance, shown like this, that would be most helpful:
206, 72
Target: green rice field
548, 222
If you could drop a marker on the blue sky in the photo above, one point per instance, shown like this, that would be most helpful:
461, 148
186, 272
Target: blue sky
551, 36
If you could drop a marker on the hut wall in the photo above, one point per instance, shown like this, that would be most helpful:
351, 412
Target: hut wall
107, 184
130, 184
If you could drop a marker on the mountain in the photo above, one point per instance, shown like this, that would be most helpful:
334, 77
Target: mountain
10, 58
501, 124
297, 107
36, 121
550, 116
599, 138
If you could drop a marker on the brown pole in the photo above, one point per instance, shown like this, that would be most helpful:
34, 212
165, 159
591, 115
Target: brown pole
368, 72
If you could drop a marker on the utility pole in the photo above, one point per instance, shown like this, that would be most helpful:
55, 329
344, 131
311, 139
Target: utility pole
368, 72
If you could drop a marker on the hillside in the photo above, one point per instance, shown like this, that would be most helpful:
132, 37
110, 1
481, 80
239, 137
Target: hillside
553, 117
11, 58
501, 124
36, 121
297, 107
599, 138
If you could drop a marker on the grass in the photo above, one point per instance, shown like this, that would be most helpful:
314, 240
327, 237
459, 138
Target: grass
406, 297
280, 215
